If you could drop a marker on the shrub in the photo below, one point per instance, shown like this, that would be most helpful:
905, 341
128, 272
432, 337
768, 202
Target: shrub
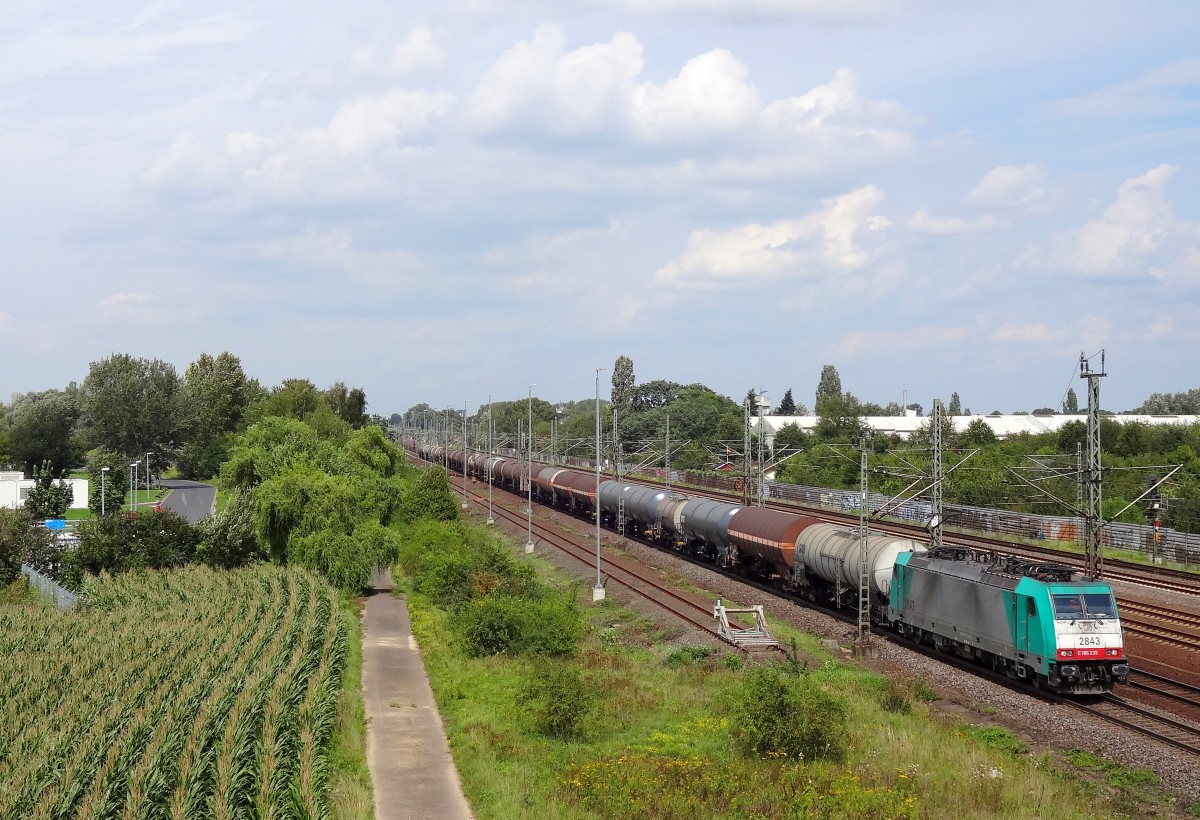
557, 700
21, 541
148, 539
505, 624
778, 715
228, 539
429, 496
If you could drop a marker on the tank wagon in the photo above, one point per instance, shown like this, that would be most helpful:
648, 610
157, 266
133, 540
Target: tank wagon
1032, 621
1036, 622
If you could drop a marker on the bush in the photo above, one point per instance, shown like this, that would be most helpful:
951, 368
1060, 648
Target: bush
228, 539
149, 539
505, 624
429, 496
557, 700
778, 715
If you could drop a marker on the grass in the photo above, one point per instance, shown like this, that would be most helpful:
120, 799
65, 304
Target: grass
659, 743
351, 794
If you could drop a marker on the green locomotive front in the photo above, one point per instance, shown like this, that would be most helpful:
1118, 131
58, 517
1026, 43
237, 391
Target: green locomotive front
1032, 621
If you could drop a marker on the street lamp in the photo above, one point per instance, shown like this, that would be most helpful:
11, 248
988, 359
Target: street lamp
103, 476
464, 456
147, 476
529, 484
490, 520
598, 589
133, 485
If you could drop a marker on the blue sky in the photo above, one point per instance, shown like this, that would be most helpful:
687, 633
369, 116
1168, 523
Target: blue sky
438, 202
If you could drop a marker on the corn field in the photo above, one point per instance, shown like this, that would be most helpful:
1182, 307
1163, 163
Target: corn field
180, 694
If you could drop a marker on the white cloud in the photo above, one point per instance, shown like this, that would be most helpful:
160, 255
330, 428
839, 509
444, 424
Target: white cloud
1130, 229
829, 238
930, 337
569, 92
340, 158
924, 222
833, 11
420, 51
537, 84
711, 95
1008, 186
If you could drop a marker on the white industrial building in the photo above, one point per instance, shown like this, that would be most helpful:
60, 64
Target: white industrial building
1002, 426
15, 487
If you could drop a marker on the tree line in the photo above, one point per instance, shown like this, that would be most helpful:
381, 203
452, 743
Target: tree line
707, 429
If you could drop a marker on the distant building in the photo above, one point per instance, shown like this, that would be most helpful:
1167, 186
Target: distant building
15, 487
1003, 426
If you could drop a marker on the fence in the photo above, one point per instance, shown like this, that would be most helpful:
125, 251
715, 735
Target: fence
63, 598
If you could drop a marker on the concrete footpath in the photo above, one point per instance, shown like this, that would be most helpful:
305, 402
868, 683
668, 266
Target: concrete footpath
411, 767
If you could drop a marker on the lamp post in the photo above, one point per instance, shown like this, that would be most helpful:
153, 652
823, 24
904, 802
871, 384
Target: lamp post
598, 589
103, 486
490, 520
133, 485
464, 456
529, 479
147, 476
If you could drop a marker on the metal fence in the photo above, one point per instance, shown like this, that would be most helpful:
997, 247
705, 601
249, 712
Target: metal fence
63, 598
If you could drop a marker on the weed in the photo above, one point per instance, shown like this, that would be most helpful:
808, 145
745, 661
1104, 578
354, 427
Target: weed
923, 692
1116, 774
733, 662
1000, 739
894, 700
687, 656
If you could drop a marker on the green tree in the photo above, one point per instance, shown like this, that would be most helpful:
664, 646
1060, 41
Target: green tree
111, 484
132, 406
350, 405
790, 437
623, 385
829, 390
214, 395
1185, 403
1071, 405
787, 406
955, 408
48, 498
977, 434
41, 428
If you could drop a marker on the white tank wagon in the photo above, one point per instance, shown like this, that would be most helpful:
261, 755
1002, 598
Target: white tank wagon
828, 558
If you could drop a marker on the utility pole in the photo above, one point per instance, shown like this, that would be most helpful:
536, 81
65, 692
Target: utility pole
864, 592
488, 465
746, 459
935, 529
1094, 562
667, 457
464, 455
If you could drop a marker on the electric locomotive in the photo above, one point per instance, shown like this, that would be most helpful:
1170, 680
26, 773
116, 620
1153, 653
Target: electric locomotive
1038, 622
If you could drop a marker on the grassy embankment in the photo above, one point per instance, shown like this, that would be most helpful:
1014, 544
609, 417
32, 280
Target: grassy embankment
660, 727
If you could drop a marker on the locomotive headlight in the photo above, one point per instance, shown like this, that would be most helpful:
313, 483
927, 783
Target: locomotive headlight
1068, 671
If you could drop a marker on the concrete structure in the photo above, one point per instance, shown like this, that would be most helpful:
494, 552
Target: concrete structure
1002, 426
14, 488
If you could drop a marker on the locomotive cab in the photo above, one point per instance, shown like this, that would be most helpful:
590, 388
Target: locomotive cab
1088, 641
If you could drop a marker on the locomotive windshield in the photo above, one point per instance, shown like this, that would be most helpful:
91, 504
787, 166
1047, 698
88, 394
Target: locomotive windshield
1088, 605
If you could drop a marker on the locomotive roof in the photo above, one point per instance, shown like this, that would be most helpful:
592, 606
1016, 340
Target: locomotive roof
991, 567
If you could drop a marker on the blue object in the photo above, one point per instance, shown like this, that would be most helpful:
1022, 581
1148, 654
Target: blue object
55, 524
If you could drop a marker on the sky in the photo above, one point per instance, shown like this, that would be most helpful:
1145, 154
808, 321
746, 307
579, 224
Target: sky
442, 202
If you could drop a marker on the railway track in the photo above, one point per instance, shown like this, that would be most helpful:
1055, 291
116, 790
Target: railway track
1164, 687
1169, 626
695, 613
1117, 710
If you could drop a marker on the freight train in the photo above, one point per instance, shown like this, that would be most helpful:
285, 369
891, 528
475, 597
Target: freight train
1038, 622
